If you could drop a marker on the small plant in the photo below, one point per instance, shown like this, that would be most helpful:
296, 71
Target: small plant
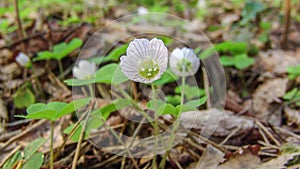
240, 61
23, 97
53, 111
59, 52
250, 11
293, 72
236, 54
29, 158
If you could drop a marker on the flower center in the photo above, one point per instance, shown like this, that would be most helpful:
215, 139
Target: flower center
148, 69
184, 65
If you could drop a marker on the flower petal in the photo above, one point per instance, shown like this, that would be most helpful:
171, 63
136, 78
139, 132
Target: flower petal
129, 66
138, 48
84, 70
185, 53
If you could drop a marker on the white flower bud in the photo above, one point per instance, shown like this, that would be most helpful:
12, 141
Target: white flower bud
84, 70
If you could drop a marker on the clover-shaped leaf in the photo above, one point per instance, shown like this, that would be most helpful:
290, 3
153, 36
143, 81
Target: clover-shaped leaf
60, 50
53, 110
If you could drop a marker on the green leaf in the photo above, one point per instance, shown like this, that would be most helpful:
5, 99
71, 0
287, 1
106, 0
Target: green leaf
23, 97
54, 110
167, 109
12, 160
185, 108
293, 72
110, 74
167, 77
36, 107
34, 162
78, 82
32, 147
174, 100
232, 47
71, 107
155, 104
45, 114
250, 11
242, 61
57, 106
115, 54
293, 94
97, 118
197, 102
60, 50
227, 61
116, 105
190, 92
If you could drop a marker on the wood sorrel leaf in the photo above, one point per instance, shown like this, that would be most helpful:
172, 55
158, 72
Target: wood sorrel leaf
54, 110
110, 74
34, 162
60, 50
32, 147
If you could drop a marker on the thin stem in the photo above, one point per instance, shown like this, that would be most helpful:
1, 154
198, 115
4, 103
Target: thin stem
19, 23
81, 137
182, 90
121, 141
176, 125
156, 129
284, 42
61, 70
51, 145
77, 152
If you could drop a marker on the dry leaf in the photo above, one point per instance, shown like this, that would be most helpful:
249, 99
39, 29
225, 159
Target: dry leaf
279, 162
277, 61
264, 95
217, 122
245, 161
293, 116
210, 158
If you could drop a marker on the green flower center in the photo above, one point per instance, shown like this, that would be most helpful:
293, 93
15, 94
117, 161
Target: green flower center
148, 69
184, 65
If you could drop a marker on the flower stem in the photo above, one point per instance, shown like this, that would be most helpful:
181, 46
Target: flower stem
82, 133
77, 152
176, 125
51, 145
156, 129
61, 70
19, 23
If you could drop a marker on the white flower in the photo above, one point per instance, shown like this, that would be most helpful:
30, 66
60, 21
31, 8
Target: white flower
142, 10
23, 60
184, 62
85, 70
145, 61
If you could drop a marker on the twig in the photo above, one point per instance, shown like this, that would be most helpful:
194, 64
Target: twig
51, 145
263, 135
80, 140
23, 133
9, 155
230, 135
19, 23
284, 131
206, 87
284, 42
267, 132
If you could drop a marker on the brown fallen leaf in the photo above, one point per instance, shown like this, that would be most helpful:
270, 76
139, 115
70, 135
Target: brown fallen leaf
277, 61
210, 158
293, 116
264, 95
245, 160
279, 162
217, 122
